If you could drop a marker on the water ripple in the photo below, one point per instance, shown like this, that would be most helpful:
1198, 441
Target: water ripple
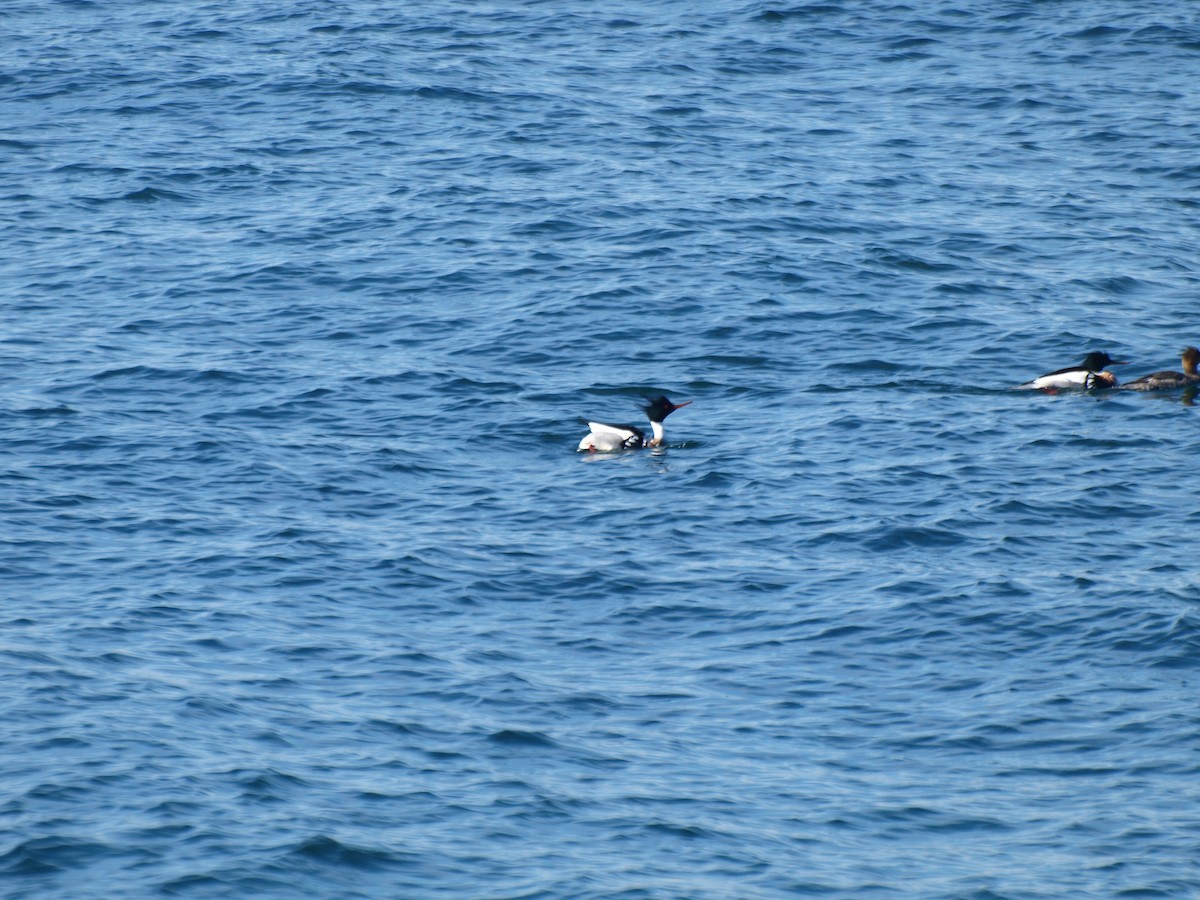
310, 591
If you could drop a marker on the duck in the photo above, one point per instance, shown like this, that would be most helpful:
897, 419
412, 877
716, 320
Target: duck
1168, 381
1087, 375
605, 438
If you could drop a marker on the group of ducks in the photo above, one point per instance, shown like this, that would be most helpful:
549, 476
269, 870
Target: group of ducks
1089, 375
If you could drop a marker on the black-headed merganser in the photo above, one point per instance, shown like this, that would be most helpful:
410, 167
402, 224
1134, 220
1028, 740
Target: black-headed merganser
607, 438
1167, 381
1089, 374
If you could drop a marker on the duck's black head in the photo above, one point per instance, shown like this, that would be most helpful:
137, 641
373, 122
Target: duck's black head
660, 407
1098, 359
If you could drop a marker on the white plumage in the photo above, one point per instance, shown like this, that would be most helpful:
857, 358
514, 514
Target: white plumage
605, 438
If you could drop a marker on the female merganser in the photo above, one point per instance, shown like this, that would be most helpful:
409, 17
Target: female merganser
1166, 381
1087, 375
606, 438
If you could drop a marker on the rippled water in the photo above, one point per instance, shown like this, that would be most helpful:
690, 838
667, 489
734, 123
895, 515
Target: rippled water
307, 592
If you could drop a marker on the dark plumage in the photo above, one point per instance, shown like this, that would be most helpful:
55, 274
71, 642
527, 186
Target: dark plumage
1167, 381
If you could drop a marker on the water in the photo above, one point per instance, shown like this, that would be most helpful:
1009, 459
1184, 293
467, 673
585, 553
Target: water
308, 593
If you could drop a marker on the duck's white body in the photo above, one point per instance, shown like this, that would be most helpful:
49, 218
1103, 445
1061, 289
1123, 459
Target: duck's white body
1067, 379
605, 438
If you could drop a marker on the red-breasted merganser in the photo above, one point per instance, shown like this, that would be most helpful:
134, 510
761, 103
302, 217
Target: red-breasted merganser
606, 438
1089, 374
1167, 381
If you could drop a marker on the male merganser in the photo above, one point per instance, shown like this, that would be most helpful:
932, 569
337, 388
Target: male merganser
1089, 374
1166, 381
606, 438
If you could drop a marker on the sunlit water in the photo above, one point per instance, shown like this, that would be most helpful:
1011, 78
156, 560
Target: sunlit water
307, 592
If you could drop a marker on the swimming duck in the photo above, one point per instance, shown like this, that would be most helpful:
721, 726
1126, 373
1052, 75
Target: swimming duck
604, 438
1168, 381
1087, 375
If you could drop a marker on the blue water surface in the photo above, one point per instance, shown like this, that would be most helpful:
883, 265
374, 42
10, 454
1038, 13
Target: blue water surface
306, 591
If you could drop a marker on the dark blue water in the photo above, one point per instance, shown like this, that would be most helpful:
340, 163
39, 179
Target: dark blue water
307, 593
